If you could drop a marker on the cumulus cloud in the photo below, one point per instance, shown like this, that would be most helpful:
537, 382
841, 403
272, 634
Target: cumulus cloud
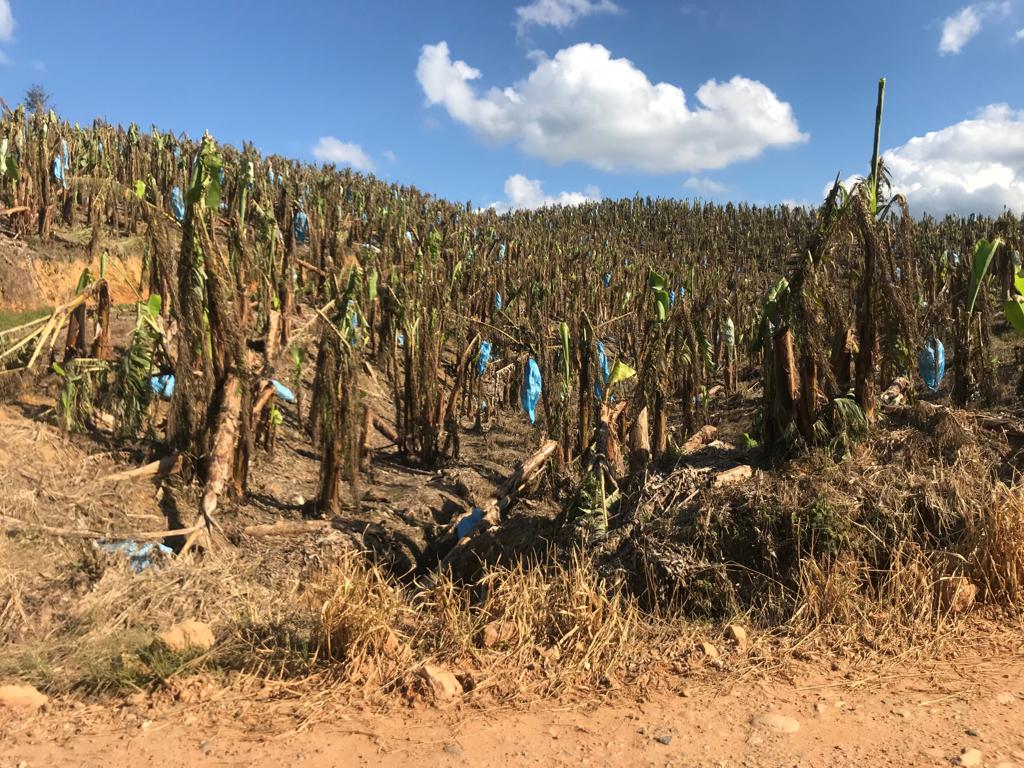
6, 22
960, 28
705, 186
529, 193
583, 105
1019, 35
974, 166
560, 14
331, 150
6, 28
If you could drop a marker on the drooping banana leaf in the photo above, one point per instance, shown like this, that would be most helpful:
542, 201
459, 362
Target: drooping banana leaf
659, 285
1014, 311
620, 372
984, 250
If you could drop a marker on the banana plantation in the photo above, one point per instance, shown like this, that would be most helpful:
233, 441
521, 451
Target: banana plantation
616, 346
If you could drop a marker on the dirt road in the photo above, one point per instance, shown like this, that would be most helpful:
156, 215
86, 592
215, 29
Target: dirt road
967, 712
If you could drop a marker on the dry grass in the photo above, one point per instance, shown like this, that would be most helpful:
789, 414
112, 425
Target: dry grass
997, 557
560, 621
520, 633
867, 558
350, 624
882, 551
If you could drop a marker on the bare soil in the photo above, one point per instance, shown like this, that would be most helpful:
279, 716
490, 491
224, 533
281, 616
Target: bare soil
924, 716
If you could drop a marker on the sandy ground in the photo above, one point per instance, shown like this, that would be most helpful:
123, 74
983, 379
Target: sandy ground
949, 713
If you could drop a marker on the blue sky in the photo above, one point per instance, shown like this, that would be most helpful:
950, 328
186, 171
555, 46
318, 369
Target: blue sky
560, 93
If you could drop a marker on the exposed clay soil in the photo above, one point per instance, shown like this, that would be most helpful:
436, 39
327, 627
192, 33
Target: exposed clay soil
925, 716
34, 276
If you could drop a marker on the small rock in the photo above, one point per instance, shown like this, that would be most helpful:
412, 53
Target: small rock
902, 712
973, 732
664, 738
443, 685
497, 632
773, 721
709, 650
737, 635
1006, 698
453, 749
392, 646
960, 594
551, 654
188, 635
820, 708
969, 757
24, 698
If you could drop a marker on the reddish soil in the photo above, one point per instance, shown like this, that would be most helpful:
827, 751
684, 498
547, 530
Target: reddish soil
923, 717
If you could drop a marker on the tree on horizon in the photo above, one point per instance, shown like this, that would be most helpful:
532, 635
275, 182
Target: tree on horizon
37, 99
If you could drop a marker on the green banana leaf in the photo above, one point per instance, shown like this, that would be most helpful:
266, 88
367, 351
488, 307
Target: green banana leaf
984, 250
1014, 311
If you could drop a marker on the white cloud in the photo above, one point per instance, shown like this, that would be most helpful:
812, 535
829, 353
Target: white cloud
583, 105
974, 166
529, 193
6, 21
390, 156
6, 28
705, 185
560, 14
962, 26
958, 29
328, 149
1019, 35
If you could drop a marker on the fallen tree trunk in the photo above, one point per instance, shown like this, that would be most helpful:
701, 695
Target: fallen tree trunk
490, 514
525, 473
13, 525
732, 476
266, 393
699, 439
168, 465
385, 429
517, 482
287, 528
